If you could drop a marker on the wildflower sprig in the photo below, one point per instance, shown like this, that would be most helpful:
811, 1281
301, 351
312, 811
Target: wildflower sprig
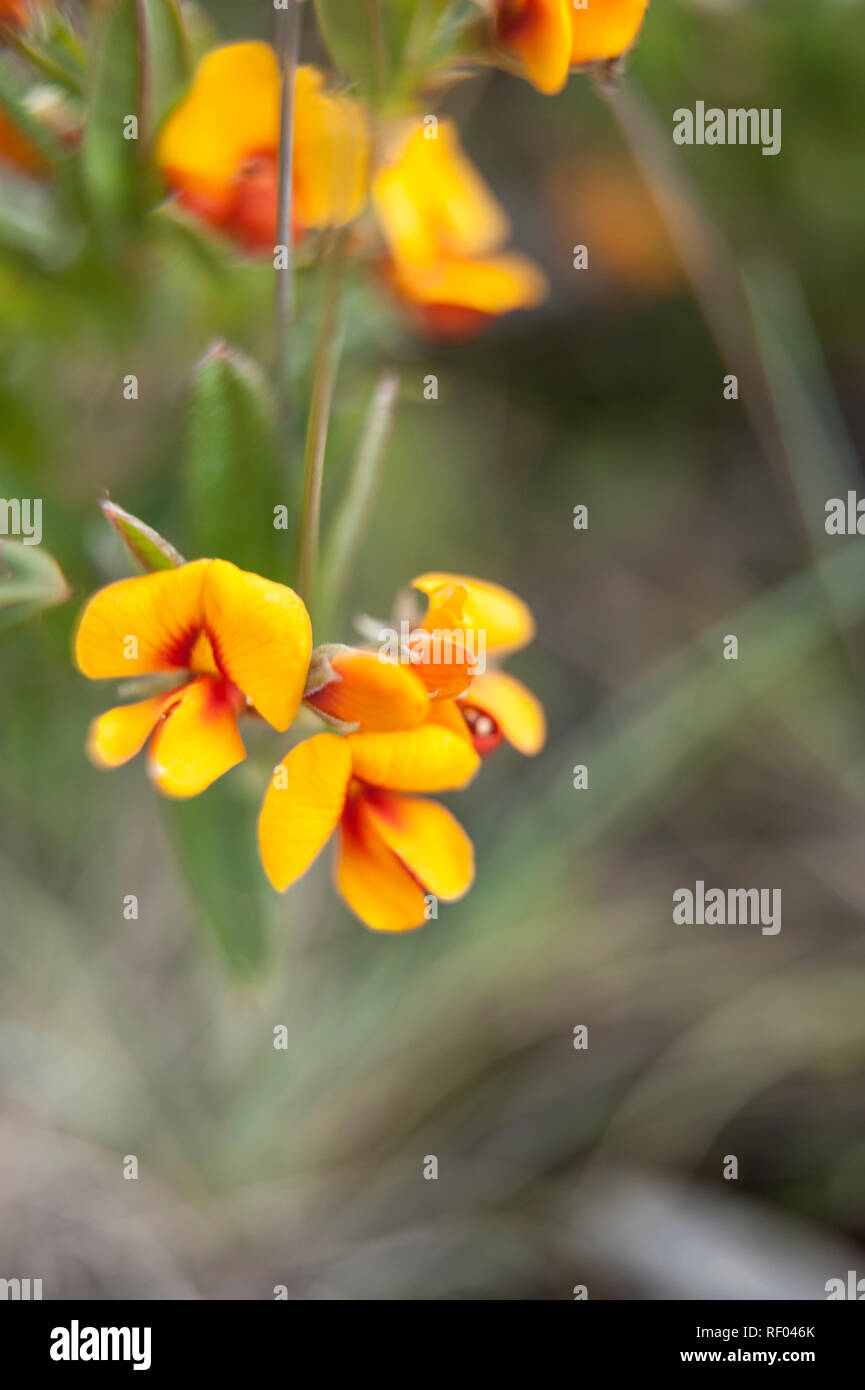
348, 172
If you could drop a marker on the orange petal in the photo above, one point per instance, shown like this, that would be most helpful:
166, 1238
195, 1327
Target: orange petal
489, 608
487, 285
261, 637
303, 806
372, 880
140, 625
605, 29
517, 713
230, 115
429, 759
448, 712
120, 733
539, 33
364, 689
197, 741
426, 838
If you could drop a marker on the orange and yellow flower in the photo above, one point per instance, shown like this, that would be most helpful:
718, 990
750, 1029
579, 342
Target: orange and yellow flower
549, 37
234, 641
218, 149
439, 672
396, 850
444, 231
492, 706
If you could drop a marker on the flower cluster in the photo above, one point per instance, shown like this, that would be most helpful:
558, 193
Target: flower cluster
427, 224
218, 645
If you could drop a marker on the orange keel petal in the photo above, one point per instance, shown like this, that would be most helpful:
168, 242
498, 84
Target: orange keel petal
426, 838
371, 879
368, 691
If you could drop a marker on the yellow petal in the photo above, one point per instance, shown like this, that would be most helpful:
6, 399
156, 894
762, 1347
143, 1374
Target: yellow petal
303, 806
331, 154
197, 741
432, 203
605, 29
369, 691
539, 33
120, 733
429, 759
518, 713
261, 638
491, 285
140, 625
447, 712
489, 608
372, 880
230, 115
426, 838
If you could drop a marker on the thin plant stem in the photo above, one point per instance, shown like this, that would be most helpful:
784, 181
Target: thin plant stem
357, 500
327, 353
46, 65
287, 43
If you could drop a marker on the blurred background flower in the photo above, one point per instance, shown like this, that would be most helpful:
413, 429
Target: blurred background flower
122, 1033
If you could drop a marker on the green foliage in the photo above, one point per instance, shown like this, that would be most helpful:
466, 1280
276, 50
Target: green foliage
30, 581
213, 836
230, 465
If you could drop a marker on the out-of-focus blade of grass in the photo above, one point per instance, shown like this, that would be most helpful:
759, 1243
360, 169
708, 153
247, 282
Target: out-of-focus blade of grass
149, 550
353, 513
770, 379
30, 581
664, 726
213, 836
821, 458
230, 467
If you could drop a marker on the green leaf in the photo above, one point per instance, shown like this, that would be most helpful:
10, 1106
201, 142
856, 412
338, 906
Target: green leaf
147, 547
214, 839
166, 57
230, 471
141, 67
370, 39
30, 581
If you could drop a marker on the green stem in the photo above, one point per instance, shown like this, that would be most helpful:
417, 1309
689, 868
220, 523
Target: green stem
354, 510
327, 353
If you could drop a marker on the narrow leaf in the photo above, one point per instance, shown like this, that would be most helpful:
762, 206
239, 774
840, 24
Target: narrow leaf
231, 463
150, 550
214, 838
